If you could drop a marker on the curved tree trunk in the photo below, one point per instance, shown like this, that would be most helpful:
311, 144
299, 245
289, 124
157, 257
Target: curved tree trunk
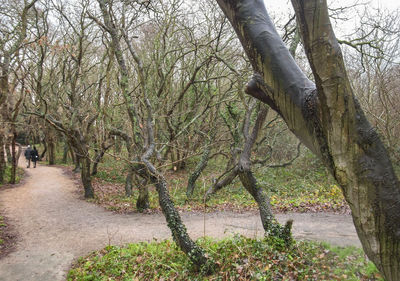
326, 117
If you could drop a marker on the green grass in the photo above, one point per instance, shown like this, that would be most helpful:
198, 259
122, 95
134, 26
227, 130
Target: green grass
237, 258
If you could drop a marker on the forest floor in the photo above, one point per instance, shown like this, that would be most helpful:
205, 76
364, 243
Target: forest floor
54, 226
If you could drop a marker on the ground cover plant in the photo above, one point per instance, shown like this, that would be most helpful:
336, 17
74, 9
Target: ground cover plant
305, 186
238, 258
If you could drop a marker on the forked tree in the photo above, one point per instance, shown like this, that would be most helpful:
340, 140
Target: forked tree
326, 117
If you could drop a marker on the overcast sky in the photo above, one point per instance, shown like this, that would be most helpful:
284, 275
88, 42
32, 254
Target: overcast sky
281, 9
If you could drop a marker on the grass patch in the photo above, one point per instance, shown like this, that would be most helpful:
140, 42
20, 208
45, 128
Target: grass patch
238, 258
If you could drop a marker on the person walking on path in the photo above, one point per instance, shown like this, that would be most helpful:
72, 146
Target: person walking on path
34, 156
28, 156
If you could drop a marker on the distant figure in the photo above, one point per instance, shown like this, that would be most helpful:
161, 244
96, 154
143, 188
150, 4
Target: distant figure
28, 156
34, 156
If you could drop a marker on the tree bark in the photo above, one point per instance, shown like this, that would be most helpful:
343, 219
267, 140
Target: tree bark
142, 202
86, 178
326, 117
51, 146
77, 162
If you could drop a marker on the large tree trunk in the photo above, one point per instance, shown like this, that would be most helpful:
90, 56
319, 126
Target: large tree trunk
143, 202
51, 146
326, 117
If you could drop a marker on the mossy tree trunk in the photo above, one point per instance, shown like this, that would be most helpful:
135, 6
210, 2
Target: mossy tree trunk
326, 117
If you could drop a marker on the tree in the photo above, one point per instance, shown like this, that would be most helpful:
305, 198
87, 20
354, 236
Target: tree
13, 33
326, 117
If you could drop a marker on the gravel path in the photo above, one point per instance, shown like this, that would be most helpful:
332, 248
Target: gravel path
55, 226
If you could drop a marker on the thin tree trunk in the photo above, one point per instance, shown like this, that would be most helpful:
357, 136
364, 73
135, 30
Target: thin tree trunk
99, 155
13, 175
226, 180
198, 170
2, 157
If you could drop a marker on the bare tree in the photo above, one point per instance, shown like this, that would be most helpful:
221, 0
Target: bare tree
13, 34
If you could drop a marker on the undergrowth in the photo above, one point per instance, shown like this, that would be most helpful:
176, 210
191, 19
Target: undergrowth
238, 258
303, 187
7, 175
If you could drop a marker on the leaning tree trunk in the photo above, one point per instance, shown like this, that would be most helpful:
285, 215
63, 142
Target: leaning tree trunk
326, 117
44, 150
198, 170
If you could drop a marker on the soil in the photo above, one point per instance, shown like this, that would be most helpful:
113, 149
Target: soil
55, 226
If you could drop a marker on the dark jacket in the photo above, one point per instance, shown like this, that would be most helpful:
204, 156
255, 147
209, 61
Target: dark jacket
28, 153
34, 155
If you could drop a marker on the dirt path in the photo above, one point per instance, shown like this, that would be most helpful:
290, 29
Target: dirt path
55, 226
